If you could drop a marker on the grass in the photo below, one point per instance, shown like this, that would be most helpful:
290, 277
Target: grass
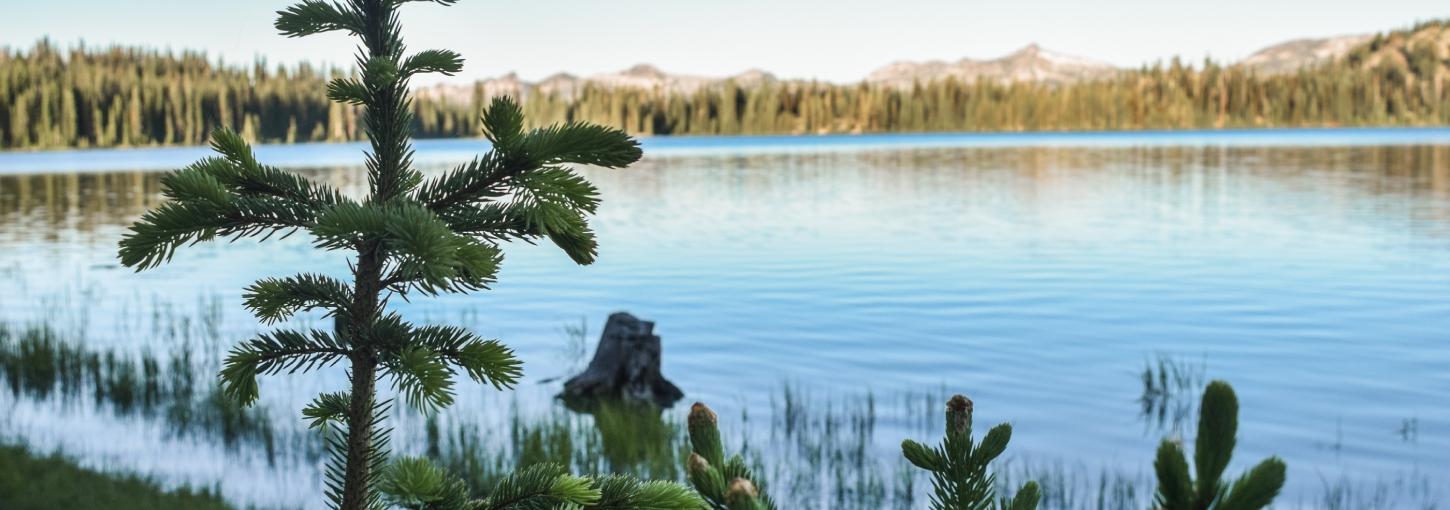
31, 482
1078, 487
614, 438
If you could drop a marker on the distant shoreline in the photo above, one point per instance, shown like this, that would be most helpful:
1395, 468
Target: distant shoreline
442, 151
4, 151
128, 97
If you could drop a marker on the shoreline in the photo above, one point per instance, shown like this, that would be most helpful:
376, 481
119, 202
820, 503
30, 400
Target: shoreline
453, 150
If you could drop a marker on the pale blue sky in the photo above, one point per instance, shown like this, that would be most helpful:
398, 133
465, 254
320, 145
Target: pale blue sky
838, 40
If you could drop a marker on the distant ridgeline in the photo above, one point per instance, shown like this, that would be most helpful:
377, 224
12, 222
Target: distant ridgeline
93, 97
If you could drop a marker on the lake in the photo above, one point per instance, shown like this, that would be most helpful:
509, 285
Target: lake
1040, 274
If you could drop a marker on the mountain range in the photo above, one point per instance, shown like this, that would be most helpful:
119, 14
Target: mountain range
642, 76
1029, 64
1290, 56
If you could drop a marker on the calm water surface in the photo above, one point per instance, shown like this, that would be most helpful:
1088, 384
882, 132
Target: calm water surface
1036, 273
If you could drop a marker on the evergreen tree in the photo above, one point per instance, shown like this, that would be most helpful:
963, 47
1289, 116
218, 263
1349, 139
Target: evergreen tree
409, 236
959, 476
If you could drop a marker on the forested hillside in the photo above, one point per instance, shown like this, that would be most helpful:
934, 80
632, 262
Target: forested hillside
91, 97
94, 97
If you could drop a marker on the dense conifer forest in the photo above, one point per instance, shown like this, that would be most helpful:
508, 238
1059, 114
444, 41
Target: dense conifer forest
105, 97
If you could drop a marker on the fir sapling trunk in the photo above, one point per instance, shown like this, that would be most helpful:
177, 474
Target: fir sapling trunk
387, 126
357, 483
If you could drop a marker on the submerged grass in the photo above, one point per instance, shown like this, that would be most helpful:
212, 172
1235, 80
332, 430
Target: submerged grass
1078, 487
1406, 493
1170, 393
613, 438
178, 390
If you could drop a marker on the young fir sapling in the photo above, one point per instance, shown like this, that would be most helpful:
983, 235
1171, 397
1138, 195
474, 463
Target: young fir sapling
408, 235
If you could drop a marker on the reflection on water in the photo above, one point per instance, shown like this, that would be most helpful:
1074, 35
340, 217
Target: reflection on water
1036, 279
1170, 395
59, 203
176, 391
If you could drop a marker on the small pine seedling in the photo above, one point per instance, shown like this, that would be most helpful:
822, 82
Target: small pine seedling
959, 476
1218, 422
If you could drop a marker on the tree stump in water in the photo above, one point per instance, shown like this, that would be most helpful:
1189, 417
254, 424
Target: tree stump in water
626, 366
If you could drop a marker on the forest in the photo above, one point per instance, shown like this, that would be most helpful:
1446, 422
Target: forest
119, 96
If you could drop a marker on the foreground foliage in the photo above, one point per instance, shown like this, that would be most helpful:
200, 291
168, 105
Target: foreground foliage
419, 484
959, 476
960, 479
726, 483
1218, 423
408, 236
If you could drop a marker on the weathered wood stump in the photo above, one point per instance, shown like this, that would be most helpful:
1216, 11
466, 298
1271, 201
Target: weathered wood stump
626, 366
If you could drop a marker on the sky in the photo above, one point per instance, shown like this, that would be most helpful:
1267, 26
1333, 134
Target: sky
833, 40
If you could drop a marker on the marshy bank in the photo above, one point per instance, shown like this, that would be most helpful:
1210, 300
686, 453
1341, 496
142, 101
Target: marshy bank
816, 451
46, 482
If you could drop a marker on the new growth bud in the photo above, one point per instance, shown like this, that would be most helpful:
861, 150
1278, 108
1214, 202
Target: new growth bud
705, 434
725, 484
959, 414
698, 465
706, 479
742, 494
700, 414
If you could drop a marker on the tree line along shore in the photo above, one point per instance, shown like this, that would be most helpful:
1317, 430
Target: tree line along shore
89, 97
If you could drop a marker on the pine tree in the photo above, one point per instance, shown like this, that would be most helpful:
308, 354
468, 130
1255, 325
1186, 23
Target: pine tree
959, 476
1218, 423
727, 484
409, 236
